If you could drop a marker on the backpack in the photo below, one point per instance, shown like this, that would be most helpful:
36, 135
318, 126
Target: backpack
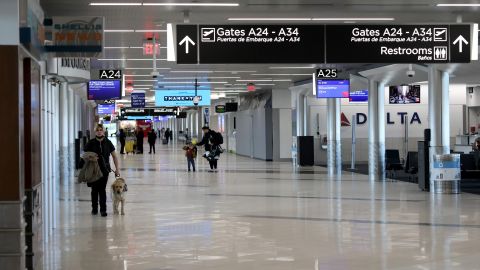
217, 137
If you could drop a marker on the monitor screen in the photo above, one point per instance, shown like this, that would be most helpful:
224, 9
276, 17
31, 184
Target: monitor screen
106, 108
231, 107
404, 94
104, 89
359, 96
333, 88
175, 98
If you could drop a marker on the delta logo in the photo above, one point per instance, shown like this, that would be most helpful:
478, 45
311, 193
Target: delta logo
344, 121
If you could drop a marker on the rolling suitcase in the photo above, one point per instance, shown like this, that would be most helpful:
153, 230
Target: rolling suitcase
164, 141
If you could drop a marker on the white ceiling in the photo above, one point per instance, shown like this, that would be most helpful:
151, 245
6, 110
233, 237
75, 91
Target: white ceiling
155, 17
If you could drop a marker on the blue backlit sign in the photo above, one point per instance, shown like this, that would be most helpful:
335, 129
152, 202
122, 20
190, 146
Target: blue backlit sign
138, 100
333, 88
174, 98
106, 108
104, 89
359, 96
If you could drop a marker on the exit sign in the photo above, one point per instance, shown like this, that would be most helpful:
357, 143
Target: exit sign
148, 48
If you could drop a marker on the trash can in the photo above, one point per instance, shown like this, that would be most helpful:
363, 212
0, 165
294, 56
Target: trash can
445, 174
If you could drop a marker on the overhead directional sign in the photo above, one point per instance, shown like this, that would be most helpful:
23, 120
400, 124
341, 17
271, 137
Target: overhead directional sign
254, 44
397, 43
187, 44
270, 44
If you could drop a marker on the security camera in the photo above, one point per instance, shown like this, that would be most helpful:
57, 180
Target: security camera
196, 100
155, 74
410, 73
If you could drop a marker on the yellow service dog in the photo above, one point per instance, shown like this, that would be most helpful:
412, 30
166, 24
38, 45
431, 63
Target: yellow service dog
118, 195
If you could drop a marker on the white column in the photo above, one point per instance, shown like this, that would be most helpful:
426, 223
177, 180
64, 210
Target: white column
376, 131
63, 102
334, 143
439, 123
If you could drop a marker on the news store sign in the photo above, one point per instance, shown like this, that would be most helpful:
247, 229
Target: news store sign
398, 43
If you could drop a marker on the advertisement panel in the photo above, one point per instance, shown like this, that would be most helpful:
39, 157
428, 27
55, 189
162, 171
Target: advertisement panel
175, 98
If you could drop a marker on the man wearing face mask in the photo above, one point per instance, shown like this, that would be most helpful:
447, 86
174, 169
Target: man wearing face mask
103, 147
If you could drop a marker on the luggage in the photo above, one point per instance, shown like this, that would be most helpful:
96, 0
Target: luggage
217, 137
129, 146
164, 141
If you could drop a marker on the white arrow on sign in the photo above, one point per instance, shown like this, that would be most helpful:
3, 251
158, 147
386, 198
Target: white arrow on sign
460, 40
187, 40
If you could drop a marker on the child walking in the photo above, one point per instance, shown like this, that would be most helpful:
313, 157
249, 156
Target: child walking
191, 154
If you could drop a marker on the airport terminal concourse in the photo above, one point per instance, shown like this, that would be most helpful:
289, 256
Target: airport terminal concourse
240, 134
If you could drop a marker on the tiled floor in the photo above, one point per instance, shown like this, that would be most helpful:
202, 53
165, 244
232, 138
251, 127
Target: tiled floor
262, 215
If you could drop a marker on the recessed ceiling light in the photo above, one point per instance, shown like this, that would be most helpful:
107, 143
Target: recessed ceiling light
193, 4
458, 5
115, 4
269, 19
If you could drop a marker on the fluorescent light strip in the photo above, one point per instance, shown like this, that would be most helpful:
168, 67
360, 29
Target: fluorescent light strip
134, 31
265, 80
129, 59
143, 85
309, 67
236, 71
133, 68
269, 19
135, 75
353, 19
118, 30
115, 4
145, 80
116, 47
458, 5
192, 82
311, 19
299, 74
191, 71
191, 78
193, 4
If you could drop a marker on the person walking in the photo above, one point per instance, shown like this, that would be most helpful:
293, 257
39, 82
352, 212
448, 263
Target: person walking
140, 136
104, 148
167, 134
211, 140
152, 137
123, 138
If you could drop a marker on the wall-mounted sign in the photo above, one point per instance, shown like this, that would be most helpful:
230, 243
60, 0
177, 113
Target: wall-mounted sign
138, 100
259, 44
175, 98
251, 43
326, 73
69, 67
75, 35
110, 74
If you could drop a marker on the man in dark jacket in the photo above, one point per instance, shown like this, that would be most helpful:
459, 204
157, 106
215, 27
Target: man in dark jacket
122, 137
103, 147
211, 146
152, 137
140, 136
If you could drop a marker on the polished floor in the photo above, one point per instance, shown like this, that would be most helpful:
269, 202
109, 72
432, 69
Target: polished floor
262, 215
